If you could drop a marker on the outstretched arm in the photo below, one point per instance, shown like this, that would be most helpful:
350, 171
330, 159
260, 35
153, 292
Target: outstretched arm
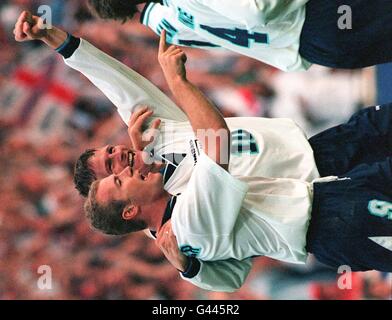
125, 88
207, 122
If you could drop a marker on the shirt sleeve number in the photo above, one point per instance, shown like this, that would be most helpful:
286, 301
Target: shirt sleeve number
380, 208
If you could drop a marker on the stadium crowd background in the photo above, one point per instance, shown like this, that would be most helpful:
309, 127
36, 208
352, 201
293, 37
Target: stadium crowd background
49, 114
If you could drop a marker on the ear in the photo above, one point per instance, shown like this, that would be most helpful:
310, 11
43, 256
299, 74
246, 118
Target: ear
130, 212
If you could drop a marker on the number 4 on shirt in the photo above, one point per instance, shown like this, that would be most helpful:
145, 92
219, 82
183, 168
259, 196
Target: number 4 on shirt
239, 37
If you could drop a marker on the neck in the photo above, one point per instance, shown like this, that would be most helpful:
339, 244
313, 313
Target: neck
153, 213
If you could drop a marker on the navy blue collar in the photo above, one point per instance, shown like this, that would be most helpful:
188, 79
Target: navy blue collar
168, 213
169, 210
171, 160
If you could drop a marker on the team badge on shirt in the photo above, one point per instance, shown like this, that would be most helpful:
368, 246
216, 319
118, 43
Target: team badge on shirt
190, 251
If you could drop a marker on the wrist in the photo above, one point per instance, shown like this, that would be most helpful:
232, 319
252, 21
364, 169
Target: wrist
184, 264
192, 267
48, 36
177, 82
54, 37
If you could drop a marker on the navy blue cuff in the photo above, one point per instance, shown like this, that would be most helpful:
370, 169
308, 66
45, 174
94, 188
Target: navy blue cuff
193, 268
69, 46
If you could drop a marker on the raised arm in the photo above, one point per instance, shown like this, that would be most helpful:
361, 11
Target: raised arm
208, 124
125, 88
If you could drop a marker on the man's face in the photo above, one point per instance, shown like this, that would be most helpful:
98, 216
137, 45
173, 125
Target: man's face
114, 159
130, 186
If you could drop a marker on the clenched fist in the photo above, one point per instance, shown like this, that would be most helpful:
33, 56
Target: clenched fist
29, 27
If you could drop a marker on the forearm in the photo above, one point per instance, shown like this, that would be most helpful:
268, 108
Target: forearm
207, 122
55, 37
200, 111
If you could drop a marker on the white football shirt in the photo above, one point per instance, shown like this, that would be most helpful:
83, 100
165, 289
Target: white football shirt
283, 150
267, 30
219, 217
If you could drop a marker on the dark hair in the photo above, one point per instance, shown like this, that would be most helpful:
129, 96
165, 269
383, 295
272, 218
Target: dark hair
84, 176
108, 217
113, 9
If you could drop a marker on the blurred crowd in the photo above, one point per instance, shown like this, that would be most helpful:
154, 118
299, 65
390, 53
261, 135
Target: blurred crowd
50, 114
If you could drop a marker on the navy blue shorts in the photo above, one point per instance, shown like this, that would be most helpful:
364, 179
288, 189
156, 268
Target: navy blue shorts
367, 43
350, 217
365, 138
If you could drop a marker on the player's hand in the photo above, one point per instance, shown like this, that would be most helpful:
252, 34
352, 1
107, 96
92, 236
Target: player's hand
167, 242
29, 27
142, 138
172, 60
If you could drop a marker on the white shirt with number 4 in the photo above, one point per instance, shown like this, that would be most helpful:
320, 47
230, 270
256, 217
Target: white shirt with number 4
266, 30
